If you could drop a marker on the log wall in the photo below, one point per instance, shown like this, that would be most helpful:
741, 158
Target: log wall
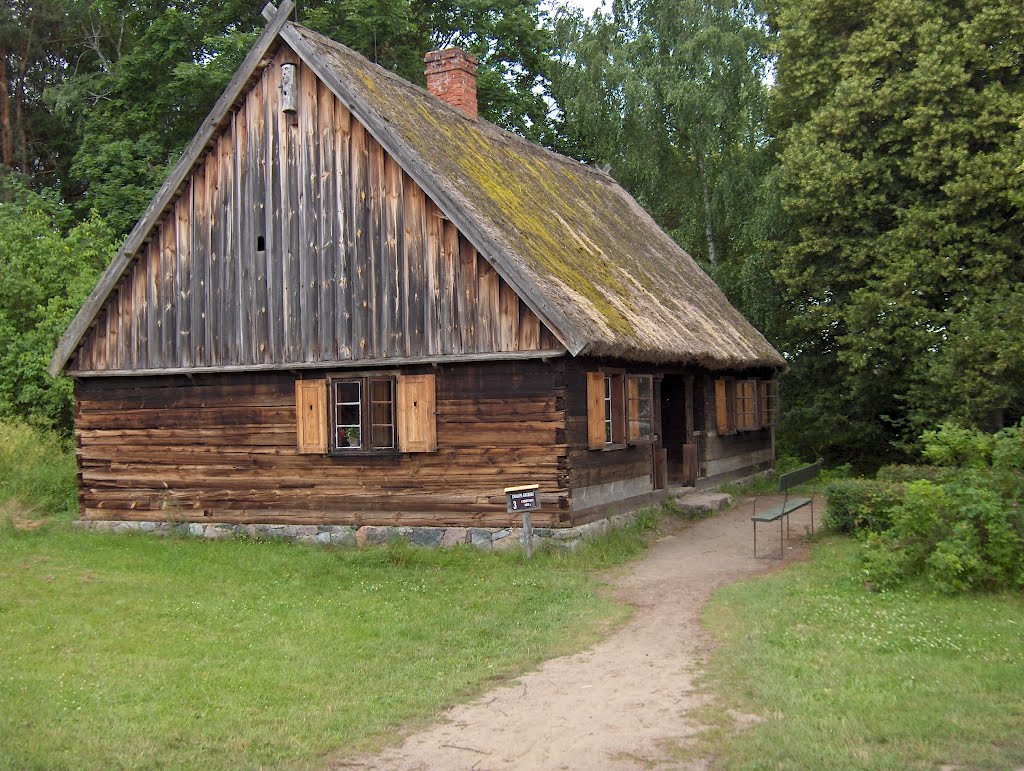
222, 448
298, 239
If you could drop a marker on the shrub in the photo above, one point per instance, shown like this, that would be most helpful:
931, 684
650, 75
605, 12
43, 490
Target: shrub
1008, 449
950, 445
860, 504
960, 536
906, 473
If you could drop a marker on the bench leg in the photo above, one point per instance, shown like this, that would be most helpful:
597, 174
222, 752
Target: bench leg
782, 543
755, 538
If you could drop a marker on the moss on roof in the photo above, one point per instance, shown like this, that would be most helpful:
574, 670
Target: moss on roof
569, 230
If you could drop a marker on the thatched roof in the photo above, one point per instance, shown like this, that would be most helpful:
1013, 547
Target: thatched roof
618, 284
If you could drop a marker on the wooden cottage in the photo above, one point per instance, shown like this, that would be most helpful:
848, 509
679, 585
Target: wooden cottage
355, 303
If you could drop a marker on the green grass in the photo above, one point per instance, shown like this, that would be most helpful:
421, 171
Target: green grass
37, 477
851, 679
140, 651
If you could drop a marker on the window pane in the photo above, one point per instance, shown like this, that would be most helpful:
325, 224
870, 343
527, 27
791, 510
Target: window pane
346, 392
380, 390
382, 413
348, 415
643, 387
383, 437
349, 436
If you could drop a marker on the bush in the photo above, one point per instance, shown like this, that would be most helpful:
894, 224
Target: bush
950, 445
1008, 449
906, 473
860, 504
960, 536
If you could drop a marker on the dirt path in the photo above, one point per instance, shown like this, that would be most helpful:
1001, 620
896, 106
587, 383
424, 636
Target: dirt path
619, 704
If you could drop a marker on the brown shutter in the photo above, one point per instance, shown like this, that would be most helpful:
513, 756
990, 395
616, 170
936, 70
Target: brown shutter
417, 421
595, 410
721, 407
311, 416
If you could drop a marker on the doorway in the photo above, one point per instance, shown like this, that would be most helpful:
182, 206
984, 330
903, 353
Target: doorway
677, 423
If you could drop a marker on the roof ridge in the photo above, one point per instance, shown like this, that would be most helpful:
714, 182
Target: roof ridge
497, 131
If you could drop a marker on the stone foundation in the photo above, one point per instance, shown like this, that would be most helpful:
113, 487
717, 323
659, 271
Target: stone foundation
486, 538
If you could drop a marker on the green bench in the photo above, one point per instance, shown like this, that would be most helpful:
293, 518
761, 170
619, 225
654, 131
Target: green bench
788, 505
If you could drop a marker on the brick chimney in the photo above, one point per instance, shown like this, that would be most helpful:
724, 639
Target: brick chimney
451, 76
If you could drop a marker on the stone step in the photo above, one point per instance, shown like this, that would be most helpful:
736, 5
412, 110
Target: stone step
704, 503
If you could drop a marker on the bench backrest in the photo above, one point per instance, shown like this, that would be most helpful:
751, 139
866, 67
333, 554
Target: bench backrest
798, 477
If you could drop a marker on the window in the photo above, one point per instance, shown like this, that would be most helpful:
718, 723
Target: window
769, 396
363, 413
639, 407
366, 413
620, 408
745, 405
614, 416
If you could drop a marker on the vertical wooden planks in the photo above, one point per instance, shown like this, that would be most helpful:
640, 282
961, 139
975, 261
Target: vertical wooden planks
508, 317
431, 289
308, 204
450, 336
276, 237
210, 270
259, 348
392, 257
529, 329
327, 178
377, 280
182, 298
488, 306
146, 324
358, 264
245, 239
168, 290
414, 226
200, 255
291, 330
467, 296
345, 236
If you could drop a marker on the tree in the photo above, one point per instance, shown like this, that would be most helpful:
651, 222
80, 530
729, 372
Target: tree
900, 179
671, 94
45, 275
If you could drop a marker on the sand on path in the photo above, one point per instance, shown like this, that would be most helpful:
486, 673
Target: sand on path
625, 702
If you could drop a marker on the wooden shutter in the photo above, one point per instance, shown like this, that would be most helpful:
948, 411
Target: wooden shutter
417, 419
723, 415
595, 410
311, 416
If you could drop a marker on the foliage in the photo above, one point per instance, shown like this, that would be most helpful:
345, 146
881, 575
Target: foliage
510, 39
903, 472
895, 668
45, 275
951, 445
37, 474
672, 96
860, 504
901, 257
150, 72
959, 536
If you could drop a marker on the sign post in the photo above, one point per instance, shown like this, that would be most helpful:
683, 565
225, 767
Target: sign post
524, 499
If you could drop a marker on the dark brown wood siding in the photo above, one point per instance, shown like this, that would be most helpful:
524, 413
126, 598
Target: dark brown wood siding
222, 448
607, 472
357, 263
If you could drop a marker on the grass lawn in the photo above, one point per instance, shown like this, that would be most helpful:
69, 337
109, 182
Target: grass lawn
851, 679
139, 651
